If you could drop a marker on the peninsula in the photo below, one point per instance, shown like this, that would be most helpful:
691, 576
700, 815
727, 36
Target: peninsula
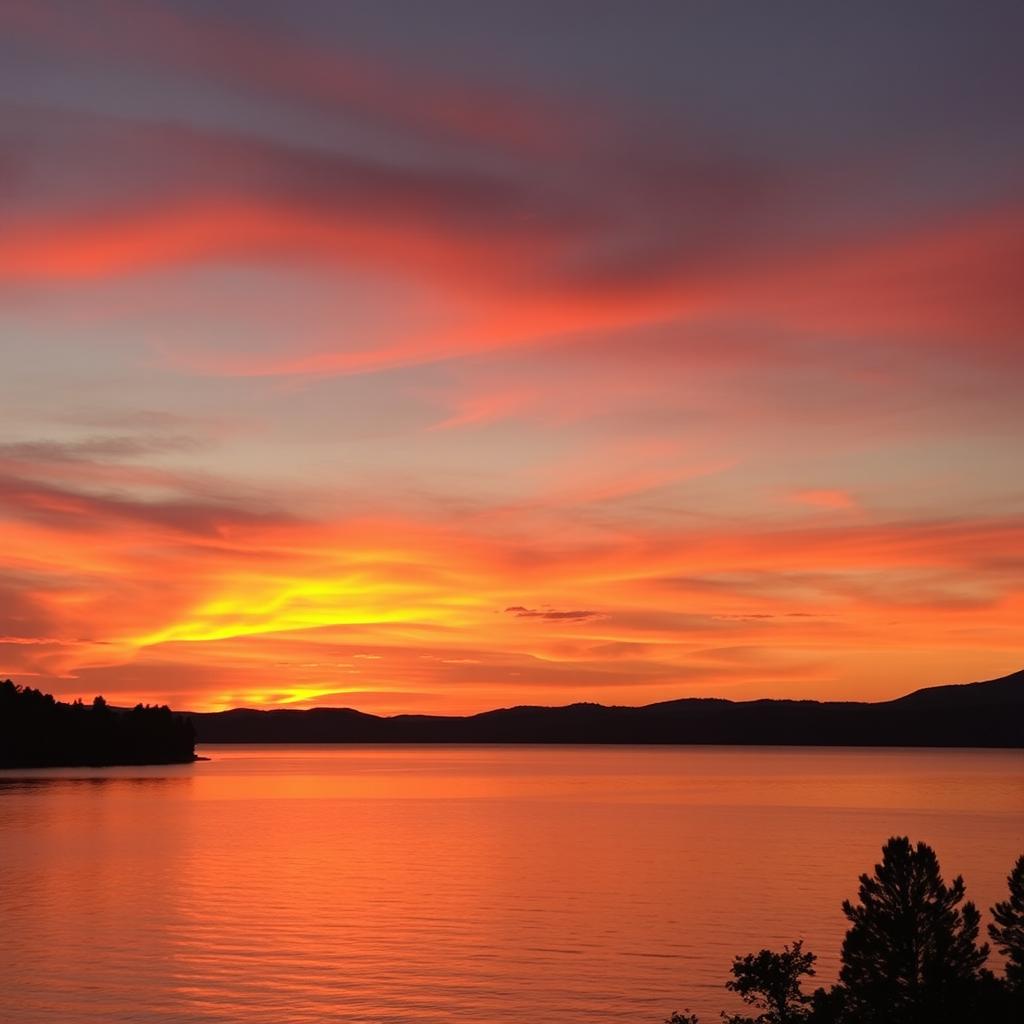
37, 731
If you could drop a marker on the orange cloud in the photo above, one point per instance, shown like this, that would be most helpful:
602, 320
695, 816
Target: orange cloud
106, 588
940, 286
830, 498
480, 409
960, 277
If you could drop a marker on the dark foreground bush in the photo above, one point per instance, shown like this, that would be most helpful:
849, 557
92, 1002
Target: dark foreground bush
911, 956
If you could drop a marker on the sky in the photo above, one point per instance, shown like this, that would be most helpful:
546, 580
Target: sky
440, 357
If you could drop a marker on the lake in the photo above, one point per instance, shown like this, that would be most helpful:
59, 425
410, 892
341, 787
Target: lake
310, 884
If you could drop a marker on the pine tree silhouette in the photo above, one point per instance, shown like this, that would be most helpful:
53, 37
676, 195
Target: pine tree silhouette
911, 955
1007, 931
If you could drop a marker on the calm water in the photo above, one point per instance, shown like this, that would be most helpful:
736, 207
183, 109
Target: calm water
481, 884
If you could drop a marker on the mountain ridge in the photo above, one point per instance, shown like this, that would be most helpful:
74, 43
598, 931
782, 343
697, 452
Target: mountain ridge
949, 715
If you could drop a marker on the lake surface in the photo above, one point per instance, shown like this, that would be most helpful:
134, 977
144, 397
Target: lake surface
479, 884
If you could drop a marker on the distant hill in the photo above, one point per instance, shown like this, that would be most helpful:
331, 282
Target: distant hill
1007, 692
987, 714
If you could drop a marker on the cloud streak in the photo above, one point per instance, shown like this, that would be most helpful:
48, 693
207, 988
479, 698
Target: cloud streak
551, 614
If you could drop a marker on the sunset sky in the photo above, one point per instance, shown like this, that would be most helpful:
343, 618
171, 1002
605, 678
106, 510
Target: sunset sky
442, 356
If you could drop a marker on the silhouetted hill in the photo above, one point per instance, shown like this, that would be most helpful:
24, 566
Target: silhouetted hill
1005, 692
37, 731
971, 715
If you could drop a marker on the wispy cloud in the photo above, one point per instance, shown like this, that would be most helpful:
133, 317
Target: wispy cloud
551, 614
826, 497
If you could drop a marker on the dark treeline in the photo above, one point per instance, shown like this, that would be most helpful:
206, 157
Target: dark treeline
912, 955
37, 731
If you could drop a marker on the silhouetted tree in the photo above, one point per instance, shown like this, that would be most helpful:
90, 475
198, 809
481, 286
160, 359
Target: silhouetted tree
910, 957
1007, 930
828, 1006
911, 954
770, 982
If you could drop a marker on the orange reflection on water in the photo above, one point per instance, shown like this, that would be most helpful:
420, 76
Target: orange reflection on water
484, 884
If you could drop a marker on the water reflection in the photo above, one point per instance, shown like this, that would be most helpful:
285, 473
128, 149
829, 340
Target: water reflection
15, 782
480, 884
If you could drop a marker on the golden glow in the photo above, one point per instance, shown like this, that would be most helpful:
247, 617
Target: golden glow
408, 609
261, 606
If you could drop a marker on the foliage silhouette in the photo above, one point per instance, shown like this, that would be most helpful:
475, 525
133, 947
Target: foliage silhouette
770, 982
1007, 930
911, 956
37, 731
